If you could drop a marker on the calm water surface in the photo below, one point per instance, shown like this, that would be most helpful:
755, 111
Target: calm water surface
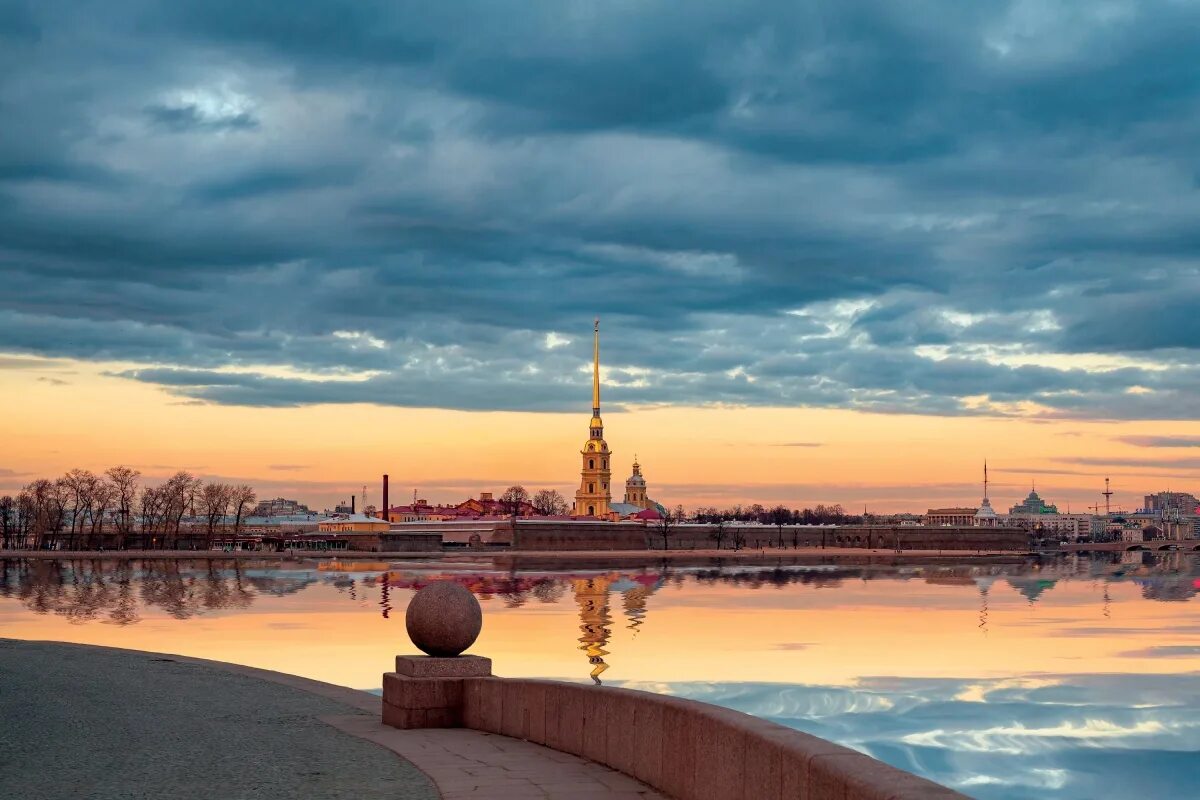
1071, 678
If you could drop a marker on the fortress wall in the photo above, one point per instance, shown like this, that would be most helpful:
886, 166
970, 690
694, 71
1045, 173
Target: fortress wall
699, 537
568, 535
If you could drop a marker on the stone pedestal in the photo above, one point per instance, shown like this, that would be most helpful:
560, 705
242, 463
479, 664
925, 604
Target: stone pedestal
427, 692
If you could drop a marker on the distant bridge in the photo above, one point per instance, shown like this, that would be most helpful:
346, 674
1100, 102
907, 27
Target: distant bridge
1153, 545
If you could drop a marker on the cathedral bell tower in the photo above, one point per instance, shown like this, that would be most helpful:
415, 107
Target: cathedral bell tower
635, 487
594, 495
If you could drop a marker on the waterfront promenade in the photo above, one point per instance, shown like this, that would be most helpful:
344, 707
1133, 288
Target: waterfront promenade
95, 722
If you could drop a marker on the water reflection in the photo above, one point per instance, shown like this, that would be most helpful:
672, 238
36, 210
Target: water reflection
86, 590
1079, 736
858, 652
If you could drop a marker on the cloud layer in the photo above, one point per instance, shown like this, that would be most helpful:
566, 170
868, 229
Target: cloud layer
938, 207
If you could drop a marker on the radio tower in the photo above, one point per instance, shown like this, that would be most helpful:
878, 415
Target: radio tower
1107, 499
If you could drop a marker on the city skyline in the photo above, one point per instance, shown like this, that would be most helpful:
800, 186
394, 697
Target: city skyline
527, 447
844, 252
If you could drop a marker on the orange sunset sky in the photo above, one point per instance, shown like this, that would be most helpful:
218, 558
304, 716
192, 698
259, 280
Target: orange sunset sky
58, 414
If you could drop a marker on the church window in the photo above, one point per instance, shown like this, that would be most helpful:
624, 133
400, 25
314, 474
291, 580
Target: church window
591, 488
605, 485
604, 463
591, 463
591, 511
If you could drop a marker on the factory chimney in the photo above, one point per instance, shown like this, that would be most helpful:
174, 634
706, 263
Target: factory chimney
384, 515
351, 504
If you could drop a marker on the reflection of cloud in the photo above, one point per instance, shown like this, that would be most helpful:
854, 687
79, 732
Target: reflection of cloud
1017, 739
1088, 632
1164, 651
1058, 738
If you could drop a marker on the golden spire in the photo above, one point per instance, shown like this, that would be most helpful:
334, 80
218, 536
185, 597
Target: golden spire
596, 370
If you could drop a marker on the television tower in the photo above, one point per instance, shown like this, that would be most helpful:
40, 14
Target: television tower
1107, 499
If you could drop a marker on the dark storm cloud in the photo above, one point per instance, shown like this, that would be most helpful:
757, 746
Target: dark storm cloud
928, 208
189, 117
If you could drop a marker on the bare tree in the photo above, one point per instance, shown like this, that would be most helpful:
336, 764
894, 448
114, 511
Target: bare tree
45, 504
243, 497
549, 503
513, 499
102, 500
738, 536
180, 499
79, 485
8, 520
214, 503
780, 516
718, 530
154, 514
665, 527
124, 482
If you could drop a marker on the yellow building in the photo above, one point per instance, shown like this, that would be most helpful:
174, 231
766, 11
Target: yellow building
595, 495
635, 487
355, 523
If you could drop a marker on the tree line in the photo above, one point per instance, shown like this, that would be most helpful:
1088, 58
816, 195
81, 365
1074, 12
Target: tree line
819, 514
83, 509
546, 502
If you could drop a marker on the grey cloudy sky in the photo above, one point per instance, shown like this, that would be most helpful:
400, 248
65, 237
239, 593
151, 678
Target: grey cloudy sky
939, 207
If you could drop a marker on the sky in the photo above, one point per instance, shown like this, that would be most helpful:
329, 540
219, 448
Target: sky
841, 251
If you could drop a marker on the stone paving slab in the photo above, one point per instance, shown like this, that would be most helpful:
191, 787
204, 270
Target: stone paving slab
471, 764
106, 724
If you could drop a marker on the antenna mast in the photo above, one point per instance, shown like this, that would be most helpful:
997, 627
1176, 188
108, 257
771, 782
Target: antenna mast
1107, 499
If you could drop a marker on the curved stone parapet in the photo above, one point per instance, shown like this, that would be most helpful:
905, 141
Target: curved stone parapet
686, 749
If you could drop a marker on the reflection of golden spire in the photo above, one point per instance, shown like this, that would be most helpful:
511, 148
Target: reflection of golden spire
634, 602
592, 596
596, 370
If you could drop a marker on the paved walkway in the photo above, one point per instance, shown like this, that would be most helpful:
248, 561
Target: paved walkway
103, 723
97, 723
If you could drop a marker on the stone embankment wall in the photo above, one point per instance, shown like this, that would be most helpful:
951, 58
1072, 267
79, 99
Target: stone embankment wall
410, 542
686, 749
537, 535
879, 537
562, 535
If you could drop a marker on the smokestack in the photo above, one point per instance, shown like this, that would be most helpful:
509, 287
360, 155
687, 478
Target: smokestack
384, 515
351, 504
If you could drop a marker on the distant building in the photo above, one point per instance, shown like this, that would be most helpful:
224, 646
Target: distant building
594, 495
1071, 527
1166, 502
638, 504
635, 487
986, 516
950, 517
354, 523
486, 505
1033, 505
279, 507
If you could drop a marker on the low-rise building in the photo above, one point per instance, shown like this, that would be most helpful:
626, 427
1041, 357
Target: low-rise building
279, 507
353, 523
950, 517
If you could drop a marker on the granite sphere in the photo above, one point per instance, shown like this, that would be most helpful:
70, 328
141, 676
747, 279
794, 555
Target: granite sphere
443, 619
